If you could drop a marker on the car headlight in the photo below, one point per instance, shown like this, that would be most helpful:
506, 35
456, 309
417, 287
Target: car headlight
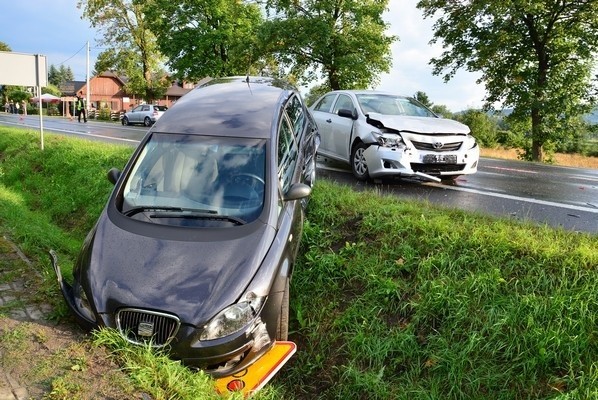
388, 139
471, 142
233, 318
83, 304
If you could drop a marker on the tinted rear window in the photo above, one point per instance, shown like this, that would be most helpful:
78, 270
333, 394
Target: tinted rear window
161, 108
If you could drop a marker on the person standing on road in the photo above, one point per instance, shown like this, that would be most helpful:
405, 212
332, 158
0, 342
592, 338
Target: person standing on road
80, 107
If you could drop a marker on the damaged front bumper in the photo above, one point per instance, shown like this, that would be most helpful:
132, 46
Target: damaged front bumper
409, 162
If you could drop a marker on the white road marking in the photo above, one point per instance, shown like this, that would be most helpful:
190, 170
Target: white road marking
73, 132
498, 195
516, 198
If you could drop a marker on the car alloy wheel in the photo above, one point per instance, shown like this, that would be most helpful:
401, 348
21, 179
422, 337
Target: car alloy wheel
147, 121
358, 163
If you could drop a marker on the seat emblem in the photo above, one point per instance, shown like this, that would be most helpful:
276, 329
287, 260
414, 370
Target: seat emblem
145, 329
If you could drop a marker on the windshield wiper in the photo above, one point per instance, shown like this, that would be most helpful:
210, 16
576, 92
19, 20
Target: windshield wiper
198, 214
168, 209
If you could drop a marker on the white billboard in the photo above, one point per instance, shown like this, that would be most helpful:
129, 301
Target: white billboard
23, 69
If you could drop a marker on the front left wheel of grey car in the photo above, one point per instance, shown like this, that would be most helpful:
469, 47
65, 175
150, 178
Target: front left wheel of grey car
358, 163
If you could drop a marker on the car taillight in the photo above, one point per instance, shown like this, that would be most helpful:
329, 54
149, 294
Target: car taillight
155, 112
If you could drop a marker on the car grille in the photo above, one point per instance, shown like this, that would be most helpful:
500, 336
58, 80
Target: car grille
142, 326
430, 146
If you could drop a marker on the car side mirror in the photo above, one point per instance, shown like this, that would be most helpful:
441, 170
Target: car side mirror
346, 113
113, 175
297, 191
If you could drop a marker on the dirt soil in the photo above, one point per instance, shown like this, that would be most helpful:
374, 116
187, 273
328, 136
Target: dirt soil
44, 359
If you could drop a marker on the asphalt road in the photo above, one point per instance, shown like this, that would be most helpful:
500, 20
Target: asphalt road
556, 196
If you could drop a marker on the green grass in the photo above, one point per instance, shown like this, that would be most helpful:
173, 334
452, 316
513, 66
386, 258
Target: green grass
390, 299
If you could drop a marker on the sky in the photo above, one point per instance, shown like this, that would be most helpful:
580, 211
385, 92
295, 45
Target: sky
54, 28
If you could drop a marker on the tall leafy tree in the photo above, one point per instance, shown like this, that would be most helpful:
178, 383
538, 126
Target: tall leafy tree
206, 37
423, 98
133, 47
534, 55
340, 41
60, 75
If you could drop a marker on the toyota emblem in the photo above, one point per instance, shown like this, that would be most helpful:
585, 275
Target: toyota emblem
437, 145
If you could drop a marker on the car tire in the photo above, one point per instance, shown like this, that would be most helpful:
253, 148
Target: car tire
358, 164
282, 331
147, 121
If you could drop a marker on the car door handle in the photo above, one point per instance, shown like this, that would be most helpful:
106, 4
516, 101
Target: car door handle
329, 120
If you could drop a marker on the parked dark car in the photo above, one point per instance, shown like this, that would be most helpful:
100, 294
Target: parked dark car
146, 114
195, 249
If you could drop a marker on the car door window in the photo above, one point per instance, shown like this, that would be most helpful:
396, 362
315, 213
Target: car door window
287, 154
296, 114
343, 102
325, 103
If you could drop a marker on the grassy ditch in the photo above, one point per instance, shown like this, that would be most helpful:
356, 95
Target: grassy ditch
391, 299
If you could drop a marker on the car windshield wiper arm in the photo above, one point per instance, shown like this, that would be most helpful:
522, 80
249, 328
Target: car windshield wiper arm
199, 214
137, 210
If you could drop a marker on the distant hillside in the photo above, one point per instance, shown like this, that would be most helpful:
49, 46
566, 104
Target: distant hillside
591, 118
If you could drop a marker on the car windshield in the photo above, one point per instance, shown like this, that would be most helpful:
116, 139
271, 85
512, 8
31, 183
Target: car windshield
191, 180
392, 105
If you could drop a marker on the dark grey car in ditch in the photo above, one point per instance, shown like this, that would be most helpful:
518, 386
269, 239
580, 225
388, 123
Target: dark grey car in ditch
196, 246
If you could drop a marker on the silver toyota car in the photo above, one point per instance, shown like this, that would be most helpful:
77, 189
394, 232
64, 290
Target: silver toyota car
382, 134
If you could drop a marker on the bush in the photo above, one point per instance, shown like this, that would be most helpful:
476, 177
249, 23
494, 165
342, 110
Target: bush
105, 114
483, 127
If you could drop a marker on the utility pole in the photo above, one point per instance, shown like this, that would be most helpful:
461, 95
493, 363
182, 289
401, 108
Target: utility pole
87, 92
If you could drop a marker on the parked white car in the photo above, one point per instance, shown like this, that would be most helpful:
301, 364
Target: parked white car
382, 134
146, 114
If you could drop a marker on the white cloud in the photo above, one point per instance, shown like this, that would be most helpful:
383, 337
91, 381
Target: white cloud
411, 71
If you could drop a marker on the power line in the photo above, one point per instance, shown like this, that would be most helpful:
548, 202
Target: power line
78, 51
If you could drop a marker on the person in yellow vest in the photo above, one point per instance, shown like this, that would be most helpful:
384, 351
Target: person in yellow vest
80, 107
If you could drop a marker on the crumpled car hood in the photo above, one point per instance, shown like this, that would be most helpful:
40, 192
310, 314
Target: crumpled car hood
191, 279
423, 125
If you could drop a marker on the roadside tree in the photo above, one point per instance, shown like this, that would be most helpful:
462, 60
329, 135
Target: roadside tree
60, 75
535, 56
203, 38
133, 49
342, 43
423, 98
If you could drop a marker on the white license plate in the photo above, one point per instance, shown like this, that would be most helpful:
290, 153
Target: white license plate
440, 159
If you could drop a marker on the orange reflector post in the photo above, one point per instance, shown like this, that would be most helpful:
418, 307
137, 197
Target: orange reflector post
253, 378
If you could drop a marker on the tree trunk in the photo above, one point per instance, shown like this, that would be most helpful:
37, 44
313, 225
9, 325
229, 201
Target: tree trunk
537, 151
537, 136
333, 80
